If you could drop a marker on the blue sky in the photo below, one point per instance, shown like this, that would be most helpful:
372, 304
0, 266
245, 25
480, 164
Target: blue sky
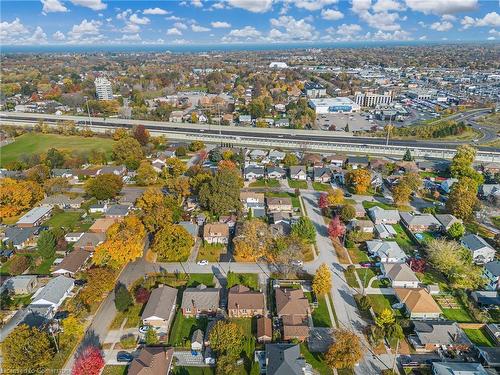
108, 22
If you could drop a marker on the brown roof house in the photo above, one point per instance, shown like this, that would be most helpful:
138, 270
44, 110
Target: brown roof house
419, 303
264, 329
72, 263
160, 309
200, 301
295, 327
277, 204
293, 307
244, 303
152, 361
89, 241
216, 233
101, 225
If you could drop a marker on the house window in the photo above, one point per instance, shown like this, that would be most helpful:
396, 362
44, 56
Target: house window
188, 309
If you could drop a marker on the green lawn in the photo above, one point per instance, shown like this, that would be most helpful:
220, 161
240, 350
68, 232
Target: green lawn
297, 184
44, 267
403, 240
211, 252
478, 229
183, 329
193, 371
459, 315
316, 360
265, 183
66, 219
479, 337
379, 302
367, 205
319, 186
133, 315
357, 255
37, 143
201, 278
248, 325
320, 315
250, 280
350, 277
365, 274
114, 370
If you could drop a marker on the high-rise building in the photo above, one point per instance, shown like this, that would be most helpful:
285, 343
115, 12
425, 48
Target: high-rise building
103, 89
370, 99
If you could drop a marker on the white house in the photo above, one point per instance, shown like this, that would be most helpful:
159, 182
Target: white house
387, 251
73, 236
400, 275
54, 293
298, 172
481, 251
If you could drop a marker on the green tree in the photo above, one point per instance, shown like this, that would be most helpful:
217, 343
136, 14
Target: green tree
54, 158
347, 213
146, 175
304, 229
123, 298
128, 151
172, 243
290, 159
407, 156
196, 146
151, 337
456, 230
46, 244
104, 186
462, 164
386, 317
221, 195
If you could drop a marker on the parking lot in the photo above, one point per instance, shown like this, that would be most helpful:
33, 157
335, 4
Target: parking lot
356, 121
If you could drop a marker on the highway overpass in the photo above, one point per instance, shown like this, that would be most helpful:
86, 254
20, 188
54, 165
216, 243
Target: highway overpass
306, 140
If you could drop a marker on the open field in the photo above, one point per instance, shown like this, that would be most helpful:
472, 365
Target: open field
37, 143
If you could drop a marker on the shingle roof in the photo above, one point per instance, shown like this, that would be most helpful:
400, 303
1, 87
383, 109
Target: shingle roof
201, 297
440, 333
419, 219
264, 327
160, 303
284, 359
385, 249
54, 291
291, 302
34, 215
241, 297
493, 267
18, 235
377, 213
151, 361
73, 261
417, 300
474, 242
399, 272
458, 368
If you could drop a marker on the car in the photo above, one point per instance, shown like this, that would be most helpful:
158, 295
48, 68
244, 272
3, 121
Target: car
80, 282
203, 262
124, 357
348, 195
297, 263
366, 265
144, 329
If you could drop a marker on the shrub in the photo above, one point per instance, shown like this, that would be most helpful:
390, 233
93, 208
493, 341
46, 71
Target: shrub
141, 295
128, 342
180, 151
19, 264
123, 299
363, 302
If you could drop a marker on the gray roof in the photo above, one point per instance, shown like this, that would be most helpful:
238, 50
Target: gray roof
399, 272
295, 169
377, 213
385, 249
90, 239
487, 297
474, 242
19, 282
254, 170
493, 267
73, 262
446, 219
320, 171
440, 333
34, 215
491, 355
358, 160
201, 297
458, 368
61, 199
58, 172
18, 235
197, 336
419, 219
284, 359
275, 170
160, 303
55, 289
118, 210
190, 227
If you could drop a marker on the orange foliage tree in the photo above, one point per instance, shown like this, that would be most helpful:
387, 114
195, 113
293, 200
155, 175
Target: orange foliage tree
358, 180
18, 196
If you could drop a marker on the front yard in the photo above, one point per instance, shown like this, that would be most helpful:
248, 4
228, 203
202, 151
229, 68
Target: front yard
265, 183
133, 316
294, 184
114, 370
319, 186
357, 255
380, 302
211, 252
320, 315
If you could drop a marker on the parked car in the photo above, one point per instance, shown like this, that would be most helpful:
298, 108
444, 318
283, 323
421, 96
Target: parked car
297, 263
124, 357
203, 262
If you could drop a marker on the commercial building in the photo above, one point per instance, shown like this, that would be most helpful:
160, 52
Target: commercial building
370, 99
314, 90
103, 89
334, 105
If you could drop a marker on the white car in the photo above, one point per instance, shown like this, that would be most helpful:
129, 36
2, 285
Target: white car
203, 262
297, 263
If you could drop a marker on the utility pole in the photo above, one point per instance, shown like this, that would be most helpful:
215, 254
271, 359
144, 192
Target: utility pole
88, 110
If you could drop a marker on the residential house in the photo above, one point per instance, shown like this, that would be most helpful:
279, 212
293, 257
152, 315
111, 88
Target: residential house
322, 174
20, 238
257, 154
292, 306
418, 223
298, 172
72, 263
63, 172
488, 299
491, 273
432, 335
481, 251
276, 204
250, 200
34, 217
98, 208
118, 170
447, 184
244, 303
197, 340
245, 119
160, 309
158, 165
436, 166
387, 251
117, 211
276, 155
62, 201
337, 161
21, 284
457, 368
358, 162
275, 173
282, 122
285, 359
418, 303
446, 221
360, 210
400, 275
281, 229
385, 231
381, 216
493, 330
200, 300
32, 316
176, 116
191, 228
489, 356
216, 233
152, 360
102, 224
89, 241
73, 236
264, 329
295, 327
53, 293
252, 173
364, 226
489, 191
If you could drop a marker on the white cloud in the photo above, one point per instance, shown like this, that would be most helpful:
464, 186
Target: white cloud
246, 32
382, 20
360, 6
155, 11
448, 17
52, 6
348, 29
12, 29
197, 3
295, 29
387, 5
442, 26
174, 31
199, 29
124, 15
180, 26
313, 5
131, 28
219, 5
396, 35
132, 38
220, 25
58, 36
442, 6
255, 6
490, 19
494, 32
423, 37
134, 18
38, 37
84, 28
491, 38
331, 14
92, 4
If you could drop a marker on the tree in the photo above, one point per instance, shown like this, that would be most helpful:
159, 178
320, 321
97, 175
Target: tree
196, 146
26, 350
18, 196
146, 175
304, 229
323, 201
151, 337
72, 329
358, 180
221, 195
141, 134
462, 164
172, 243
322, 281
253, 241
100, 280
226, 364
55, 185
335, 197
456, 230
336, 228
175, 167
141, 295
46, 244
104, 186
156, 210
226, 338
462, 199
407, 156
347, 213
386, 317
285, 252
128, 151
89, 362
123, 298
54, 158
401, 193
120, 133
39, 173
124, 243
345, 352
290, 159
418, 265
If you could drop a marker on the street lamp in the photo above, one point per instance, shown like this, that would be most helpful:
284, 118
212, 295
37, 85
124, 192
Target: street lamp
88, 110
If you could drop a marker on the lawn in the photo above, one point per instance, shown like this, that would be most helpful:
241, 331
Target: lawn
265, 183
250, 280
44, 267
380, 302
365, 274
133, 315
248, 325
37, 143
183, 329
196, 279
357, 255
114, 370
478, 229
320, 315
319, 186
496, 221
316, 360
459, 315
193, 371
211, 252
479, 337
350, 277
367, 205
295, 199
294, 184
65, 219
403, 240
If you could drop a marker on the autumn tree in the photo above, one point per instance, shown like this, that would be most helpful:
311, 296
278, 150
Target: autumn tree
401, 193
39, 173
72, 329
386, 317
104, 186
100, 280
141, 134
347, 213
146, 174
155, 207
172, 243
54, 158
285, 252
120, 133
345, 352
462, 164
290, 160
304, 229
336, 229
226, 337
196, 146
124, 243
26, 350
179, 187
221, 194
18, 196
335, 197
462, 199
174, 167
55, 185
253, 241
89, 362
358, 180
323, 201
128, 151
322, 281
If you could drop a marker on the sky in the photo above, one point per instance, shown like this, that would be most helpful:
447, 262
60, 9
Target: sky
215, 22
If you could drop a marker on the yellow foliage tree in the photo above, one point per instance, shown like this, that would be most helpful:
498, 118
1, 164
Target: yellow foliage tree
322, 281
18, 196
345, 352
335, 197
358, 180
254, 241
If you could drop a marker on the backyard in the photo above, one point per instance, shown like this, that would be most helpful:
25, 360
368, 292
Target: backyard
265, 183
379, 302
183, 328
65, 219
479, 337
453, 309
